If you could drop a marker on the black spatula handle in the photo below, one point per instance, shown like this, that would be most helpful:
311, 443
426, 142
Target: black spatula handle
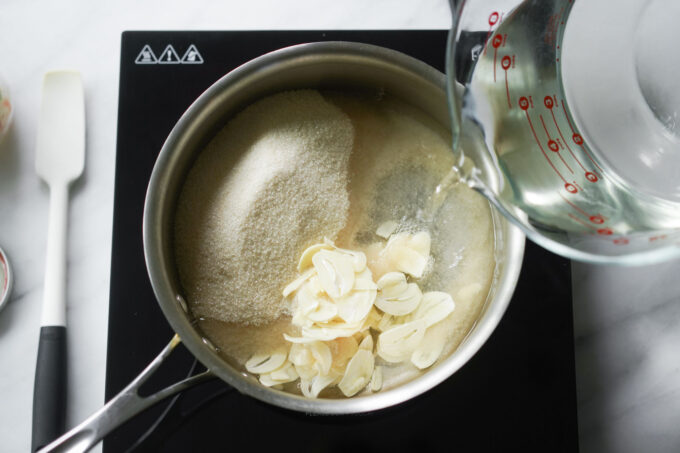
49, 392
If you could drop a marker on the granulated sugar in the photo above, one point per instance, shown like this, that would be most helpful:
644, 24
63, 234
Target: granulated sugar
272, 182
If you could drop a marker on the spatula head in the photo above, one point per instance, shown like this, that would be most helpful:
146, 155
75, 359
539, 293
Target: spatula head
60, 153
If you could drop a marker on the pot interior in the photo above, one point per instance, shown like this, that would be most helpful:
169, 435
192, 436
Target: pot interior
322, 66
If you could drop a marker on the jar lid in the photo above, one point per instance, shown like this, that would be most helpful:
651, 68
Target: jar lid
6, 279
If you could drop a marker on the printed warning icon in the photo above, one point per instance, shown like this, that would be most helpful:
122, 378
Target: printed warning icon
146, 56
169, 56
192, 56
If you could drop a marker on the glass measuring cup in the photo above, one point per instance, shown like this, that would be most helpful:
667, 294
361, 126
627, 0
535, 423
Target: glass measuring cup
575, 105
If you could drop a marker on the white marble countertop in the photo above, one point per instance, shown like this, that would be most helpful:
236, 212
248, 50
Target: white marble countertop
627, 320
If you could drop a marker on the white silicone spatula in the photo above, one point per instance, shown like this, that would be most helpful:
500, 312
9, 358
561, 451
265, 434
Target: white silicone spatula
60, 157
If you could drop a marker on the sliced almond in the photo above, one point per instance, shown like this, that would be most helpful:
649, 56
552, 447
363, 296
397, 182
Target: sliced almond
409, 261
313, 386
335, 271
306, 372
420, 242
313, 286
367, 343
299, 319
305, 300
358, 258
305, 303
321, 382
386, 229
355, 306
325, 311
284, 374
267, 381
406, 255
358, 373
306, 257
401, 304
399, 342
429, 350
300, 355
388, 321
306, 387
316, 333
434, 306
364, 284
343, 349
331, 331
392, 284
377, 379
366, 274
322, 356
295, 284
266, 363
385, 322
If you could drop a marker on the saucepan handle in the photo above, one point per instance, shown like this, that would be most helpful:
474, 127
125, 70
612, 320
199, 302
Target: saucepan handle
122, 407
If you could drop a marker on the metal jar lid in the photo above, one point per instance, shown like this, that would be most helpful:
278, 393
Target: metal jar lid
6, 279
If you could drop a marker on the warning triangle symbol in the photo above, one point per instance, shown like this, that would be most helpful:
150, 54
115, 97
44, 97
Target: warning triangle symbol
146, 56
192, 56
168, 56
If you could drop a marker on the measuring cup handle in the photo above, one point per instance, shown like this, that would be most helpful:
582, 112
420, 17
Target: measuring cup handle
122, 407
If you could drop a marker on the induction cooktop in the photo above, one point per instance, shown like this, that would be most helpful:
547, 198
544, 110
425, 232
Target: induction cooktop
517, 394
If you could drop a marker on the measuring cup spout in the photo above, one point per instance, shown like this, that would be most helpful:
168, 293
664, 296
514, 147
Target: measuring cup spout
476, 165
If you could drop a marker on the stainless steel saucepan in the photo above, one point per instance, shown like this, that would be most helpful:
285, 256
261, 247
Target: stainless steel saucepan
334, 65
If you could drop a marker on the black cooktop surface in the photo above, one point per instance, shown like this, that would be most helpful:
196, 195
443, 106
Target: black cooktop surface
518, 393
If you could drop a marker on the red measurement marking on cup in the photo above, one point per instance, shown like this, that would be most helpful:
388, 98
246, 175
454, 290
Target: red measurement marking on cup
494, 17
597, 219
506, 62
576, 184
656, 238
592, 177
605, 231
551, 29
549, 102
621, 241
577, 138
524, 105
580, 211
554, 147
581, 221
496, 43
